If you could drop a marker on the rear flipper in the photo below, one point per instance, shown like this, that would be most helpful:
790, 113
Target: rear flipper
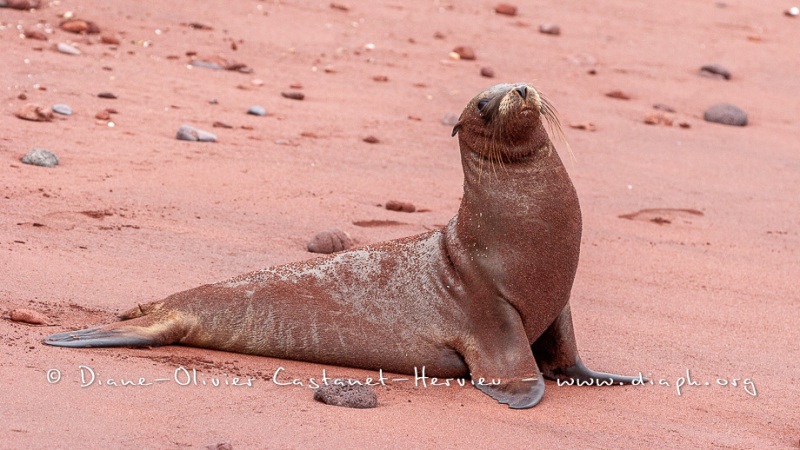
97, 337
557, 355
147, 331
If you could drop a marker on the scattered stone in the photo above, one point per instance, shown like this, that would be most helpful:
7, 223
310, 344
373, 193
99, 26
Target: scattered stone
684, 125
658, 119
256, 110
592, 71
199, 26
663, 107
187, 133
450, 119
205, 65
62, 109
394, 205
67, 49
105, 114
29, 316
487, 72
109, 39
794, 11
221, 125
222, 446
22, 96
438, 35
465, 53
107, 95
79, 26
340, 6
347, 393
329, 241
726, 114
40, 157
587, 126
371, 139
380, 78
715, 71
550, 28
618, 95
20, 4
213, 101
294, 95
35, 113
506, 9
36, 35
295, 86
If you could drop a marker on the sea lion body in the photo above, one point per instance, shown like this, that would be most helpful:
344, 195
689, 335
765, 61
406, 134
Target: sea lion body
487, 296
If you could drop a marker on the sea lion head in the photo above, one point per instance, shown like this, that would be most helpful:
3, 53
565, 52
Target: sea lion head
504, 122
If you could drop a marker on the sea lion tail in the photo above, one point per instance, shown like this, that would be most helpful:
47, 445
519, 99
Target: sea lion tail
147, 331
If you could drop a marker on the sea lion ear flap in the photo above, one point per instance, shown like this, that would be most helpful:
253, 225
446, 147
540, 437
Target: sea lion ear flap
456, 128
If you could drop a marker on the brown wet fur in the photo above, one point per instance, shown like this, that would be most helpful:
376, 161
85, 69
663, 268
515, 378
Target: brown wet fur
486, 296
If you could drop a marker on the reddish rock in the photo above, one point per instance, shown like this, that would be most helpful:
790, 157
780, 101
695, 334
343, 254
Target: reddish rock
506, 9
464, 52
394, 205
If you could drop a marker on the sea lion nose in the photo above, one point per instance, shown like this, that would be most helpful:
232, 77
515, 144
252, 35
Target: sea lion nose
522, 91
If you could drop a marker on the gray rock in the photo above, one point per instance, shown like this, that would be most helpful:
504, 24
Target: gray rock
67, 49
341, 393
206, 65
62, 109
257, 110
715, 71
329, 241
187, 133
40, 157
726, 114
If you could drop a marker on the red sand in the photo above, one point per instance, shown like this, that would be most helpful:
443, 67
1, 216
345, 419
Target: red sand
714, 294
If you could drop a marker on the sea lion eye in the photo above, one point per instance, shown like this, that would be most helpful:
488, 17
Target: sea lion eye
482, 104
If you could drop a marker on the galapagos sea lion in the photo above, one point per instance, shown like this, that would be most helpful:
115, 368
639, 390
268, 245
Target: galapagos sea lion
486, 296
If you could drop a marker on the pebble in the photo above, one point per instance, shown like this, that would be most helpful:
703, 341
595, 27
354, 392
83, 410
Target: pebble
726, 114
35, 113
256, 110
340, 6
187, 133
109, 39
294, 95
380, 78
465, 53
205, 65
663, 107
394, 205
587, 126
550, 28
618, 95
794, 11
35, 34
329, 241
221, 125
40, 157
371, 139
340, 392
62, 109
658, 119
506, 9
487, 72
715, 71
107, 95
20, 4
450, 119
29, 316
67, 49
79, 26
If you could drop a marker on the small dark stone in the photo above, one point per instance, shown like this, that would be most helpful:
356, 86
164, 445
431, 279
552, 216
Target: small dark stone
371, 139
107, 95
726, 114
550, 28
40, 157
465, 53
187, 133
715, 71
256, 110
487, 72
340, 392
663, 107
294, 95
329, 241
218, 124
394, 205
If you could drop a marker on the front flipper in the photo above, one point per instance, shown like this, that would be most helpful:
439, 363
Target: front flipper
557, 354
499, 354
